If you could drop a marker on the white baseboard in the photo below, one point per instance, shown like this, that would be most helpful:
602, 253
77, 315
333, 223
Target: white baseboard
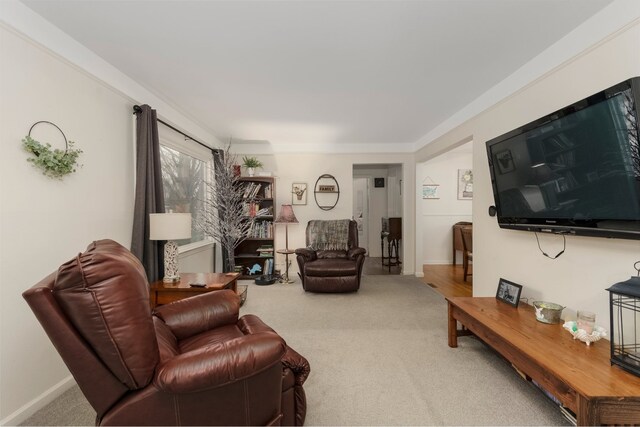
30, 408
419, 274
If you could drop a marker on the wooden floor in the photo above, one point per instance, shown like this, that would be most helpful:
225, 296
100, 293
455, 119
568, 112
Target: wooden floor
448, 280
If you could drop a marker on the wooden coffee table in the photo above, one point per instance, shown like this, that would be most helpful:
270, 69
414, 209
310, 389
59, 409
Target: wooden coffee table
164, 293
581, 377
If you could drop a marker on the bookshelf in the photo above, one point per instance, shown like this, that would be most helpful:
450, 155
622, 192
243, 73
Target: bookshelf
258, 248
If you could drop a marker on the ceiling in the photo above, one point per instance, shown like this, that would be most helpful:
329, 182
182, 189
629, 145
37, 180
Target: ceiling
318, 72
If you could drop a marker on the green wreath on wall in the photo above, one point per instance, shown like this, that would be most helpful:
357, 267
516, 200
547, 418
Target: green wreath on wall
55, 163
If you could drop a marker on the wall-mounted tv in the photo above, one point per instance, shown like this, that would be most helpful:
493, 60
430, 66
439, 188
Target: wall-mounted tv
574, 171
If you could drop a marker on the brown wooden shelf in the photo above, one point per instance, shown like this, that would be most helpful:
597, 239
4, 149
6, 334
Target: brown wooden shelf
246, 255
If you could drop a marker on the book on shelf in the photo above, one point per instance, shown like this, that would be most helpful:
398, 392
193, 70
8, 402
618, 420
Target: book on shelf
268, 192
267, 268
261, 230
251, 209
268, 211
251, 190
265, 250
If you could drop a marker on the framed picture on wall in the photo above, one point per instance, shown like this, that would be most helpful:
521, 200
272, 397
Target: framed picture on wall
298, 193
465, 184
430, 191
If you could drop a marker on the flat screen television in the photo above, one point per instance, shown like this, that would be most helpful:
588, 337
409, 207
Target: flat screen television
574, 171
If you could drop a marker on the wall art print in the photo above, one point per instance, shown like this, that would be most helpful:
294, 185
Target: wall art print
430, 191
298, 193
465, 184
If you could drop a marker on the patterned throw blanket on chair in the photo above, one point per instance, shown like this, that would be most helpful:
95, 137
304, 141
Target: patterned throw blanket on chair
325, 235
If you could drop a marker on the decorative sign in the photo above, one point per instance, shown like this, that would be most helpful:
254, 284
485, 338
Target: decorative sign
326, 188
430, 191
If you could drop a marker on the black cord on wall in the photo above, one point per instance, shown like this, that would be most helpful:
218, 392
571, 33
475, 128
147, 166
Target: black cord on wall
564, 246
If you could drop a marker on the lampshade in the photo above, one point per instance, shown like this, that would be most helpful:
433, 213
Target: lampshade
286, 215
169, 226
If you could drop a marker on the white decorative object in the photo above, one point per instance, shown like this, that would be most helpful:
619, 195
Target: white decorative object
170, 227
582, 335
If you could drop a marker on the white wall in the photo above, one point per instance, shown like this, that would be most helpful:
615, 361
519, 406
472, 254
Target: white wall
199, 260
436, 216
289, 168
578, 278
45, 222
394, 191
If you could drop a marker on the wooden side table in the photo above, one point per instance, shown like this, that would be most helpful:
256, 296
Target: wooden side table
164, 293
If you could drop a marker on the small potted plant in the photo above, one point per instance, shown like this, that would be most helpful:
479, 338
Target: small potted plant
251, 163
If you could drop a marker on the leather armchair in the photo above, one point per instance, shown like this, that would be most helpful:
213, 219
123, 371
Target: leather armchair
331, 270
191, 362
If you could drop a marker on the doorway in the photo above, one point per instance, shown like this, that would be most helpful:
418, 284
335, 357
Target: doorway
436, 217
361, 210
377, 196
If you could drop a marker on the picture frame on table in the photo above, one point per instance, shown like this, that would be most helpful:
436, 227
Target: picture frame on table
508, 292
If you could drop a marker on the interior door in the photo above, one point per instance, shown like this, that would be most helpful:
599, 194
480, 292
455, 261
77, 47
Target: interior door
361, 210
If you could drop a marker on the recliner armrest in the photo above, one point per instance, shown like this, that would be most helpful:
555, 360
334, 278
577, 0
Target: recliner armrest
219, 364
307, 254
191, 316
298, 364
354, 252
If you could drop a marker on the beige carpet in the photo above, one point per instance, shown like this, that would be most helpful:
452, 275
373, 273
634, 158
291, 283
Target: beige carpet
378, 357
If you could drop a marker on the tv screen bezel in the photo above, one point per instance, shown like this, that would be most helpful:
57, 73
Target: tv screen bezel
621, 229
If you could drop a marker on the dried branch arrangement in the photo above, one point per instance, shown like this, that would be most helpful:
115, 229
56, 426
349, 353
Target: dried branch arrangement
223, 216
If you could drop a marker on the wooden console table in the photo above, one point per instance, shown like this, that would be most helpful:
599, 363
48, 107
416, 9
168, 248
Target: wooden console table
164, 293
579, 376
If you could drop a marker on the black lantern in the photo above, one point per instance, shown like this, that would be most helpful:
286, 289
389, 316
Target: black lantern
624, 309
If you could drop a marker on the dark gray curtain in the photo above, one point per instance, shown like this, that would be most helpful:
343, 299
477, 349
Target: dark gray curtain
149, 196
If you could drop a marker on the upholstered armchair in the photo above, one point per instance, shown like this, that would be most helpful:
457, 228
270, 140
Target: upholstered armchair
191, 362
332, 260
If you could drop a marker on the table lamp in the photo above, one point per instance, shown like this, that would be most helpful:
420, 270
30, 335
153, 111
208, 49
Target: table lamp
170, 227
286, 217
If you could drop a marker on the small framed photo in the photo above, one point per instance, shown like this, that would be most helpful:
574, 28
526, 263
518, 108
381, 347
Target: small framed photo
509, 292
298, 193
378, 182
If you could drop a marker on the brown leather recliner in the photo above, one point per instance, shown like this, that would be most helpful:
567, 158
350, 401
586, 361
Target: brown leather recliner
325, 268
192, 362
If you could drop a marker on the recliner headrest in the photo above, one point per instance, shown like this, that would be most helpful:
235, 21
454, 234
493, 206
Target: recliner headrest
104, 293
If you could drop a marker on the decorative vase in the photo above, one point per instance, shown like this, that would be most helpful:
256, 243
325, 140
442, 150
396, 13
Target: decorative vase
236, 170
251, 171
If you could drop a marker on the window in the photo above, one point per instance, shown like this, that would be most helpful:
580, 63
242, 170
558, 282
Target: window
185, 165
